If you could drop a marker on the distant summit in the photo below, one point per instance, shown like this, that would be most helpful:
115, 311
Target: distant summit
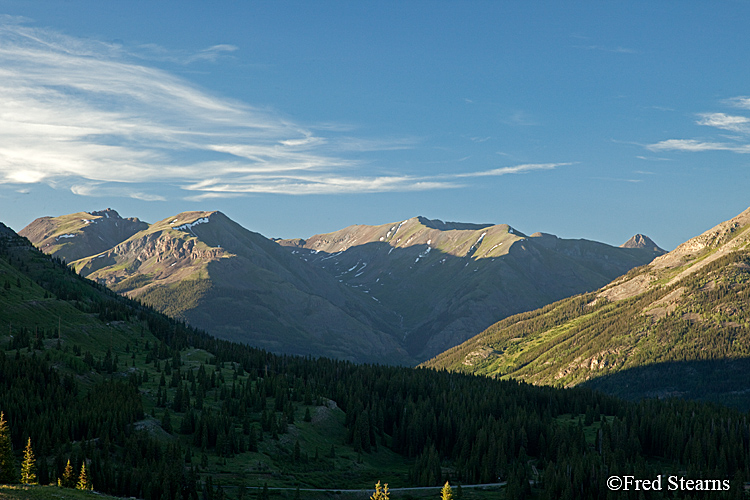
107, 213
642, 241
72, 237
448, 226
446, 280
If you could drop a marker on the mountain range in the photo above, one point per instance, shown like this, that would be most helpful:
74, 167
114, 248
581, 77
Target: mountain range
397, 293
679, 326
154, 408
446, 280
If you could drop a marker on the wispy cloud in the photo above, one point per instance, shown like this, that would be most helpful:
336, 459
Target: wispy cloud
212, 53
97, 189
695, 146
617, 179
520, 119
91, 117
314, 184
304, 183
154, 52
653, 158
517, 169
603, 48
738, 124
725, 122
739, 102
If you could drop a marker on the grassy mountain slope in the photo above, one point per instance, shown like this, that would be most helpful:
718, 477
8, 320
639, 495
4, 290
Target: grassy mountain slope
210, 271
677, 326
447, 281
72, 237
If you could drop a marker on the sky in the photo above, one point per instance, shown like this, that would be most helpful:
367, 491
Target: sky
592, 120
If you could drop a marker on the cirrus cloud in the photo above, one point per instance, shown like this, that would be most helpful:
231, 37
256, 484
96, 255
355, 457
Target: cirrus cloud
91, 117
740, 125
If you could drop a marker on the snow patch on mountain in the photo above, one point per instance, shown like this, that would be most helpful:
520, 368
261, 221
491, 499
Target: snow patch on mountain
190, 225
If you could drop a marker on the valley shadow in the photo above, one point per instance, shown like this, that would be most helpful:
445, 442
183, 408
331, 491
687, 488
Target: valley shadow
723, 381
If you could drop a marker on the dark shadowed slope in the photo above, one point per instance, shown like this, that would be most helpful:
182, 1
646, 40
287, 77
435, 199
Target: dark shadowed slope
447, 281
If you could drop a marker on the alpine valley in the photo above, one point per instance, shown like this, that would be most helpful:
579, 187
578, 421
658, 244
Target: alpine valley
100, 391
398, 293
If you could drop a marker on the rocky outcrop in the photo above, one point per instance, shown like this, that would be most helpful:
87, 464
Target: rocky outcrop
642, 241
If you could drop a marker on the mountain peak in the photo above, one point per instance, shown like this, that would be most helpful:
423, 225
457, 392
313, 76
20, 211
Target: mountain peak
107, 213
641, 241
447, 226
6, 231
81, 234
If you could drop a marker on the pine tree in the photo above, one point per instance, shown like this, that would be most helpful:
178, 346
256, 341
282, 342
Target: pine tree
166, 422
447, 492
263, 494
7, 463
381, 492
28, 467
68, 480
83, 479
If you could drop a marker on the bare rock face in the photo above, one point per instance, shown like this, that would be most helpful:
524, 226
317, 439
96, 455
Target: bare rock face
642, 241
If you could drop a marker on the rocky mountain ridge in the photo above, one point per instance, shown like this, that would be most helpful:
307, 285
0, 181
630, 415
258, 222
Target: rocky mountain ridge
394, 293
93, 232
447, 280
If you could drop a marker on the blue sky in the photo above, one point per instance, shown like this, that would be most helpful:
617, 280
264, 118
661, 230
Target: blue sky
584, 119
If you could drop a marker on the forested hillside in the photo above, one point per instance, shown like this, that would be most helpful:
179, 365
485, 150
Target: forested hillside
679, 326
156, 409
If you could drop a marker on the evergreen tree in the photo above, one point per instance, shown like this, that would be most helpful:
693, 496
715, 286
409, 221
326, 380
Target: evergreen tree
263, 494
381, 492
83, 479
447, 492
68, 479
28, 467
7, 463
166, 422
